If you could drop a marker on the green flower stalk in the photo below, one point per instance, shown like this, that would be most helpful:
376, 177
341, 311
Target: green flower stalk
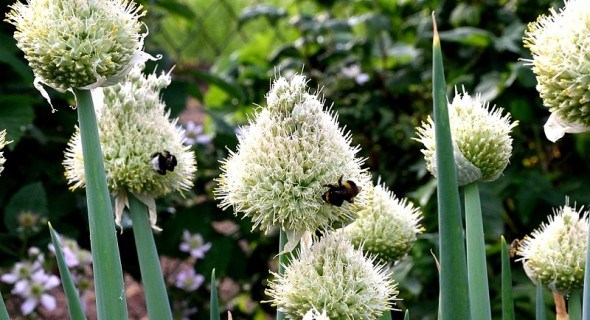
559, 45
555, 253
333, 276
386, 226
290, 151
82, 44
3, 143
134, 132
481, 141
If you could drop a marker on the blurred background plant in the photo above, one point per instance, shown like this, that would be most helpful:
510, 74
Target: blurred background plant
372, 60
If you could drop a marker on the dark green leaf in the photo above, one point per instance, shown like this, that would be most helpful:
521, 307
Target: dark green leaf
176, 8
30, 198
16, 114
271, 13
468, 36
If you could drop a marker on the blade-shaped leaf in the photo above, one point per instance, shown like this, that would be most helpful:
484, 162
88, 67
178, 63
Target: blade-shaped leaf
477, 273
454, 302
540, 305
213, 301
72, 296
507, 299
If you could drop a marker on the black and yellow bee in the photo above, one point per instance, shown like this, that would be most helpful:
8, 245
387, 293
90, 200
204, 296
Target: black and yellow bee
162, 161
336, 195
514, 246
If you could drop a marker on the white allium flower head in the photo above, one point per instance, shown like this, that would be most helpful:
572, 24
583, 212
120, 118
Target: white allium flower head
559, 44
78, 43
556, 252
336, 277
386, 226
292, 148
481, 139
133, 126
3, 143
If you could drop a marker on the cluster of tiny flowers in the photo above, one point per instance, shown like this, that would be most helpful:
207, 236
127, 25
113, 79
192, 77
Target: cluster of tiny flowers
555, 254
481, 139
336, 277
134, 128
194, 244
292, 148
559, 44
3, 143
78, 44
32, 283
187, 279
386, 225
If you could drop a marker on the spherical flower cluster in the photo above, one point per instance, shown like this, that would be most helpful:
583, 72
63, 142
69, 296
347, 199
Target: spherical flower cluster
559, 44
481, 141
556, 253
134, 134
285, 157
334, 276
3, 143
386, 225
78, 44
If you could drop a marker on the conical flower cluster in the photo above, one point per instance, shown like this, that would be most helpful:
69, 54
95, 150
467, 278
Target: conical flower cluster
386, 226
556, 252
78, 43
481, 139
333, 276
290, 151
559, 44
143, 150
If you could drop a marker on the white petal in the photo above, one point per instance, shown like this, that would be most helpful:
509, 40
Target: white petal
138, 57
150, 203
48, 302
28, 306
9, 278
556, 127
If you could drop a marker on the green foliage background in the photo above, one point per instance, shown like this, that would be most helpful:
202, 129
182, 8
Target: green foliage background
225, 55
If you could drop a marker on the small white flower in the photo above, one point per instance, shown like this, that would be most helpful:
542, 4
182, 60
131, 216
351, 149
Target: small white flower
193, 134
188, 280
34, 291
21, 271
354, 72
194, 244
73, 254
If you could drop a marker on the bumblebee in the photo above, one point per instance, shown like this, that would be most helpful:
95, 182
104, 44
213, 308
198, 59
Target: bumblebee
162, 161
340, 192
514, 248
